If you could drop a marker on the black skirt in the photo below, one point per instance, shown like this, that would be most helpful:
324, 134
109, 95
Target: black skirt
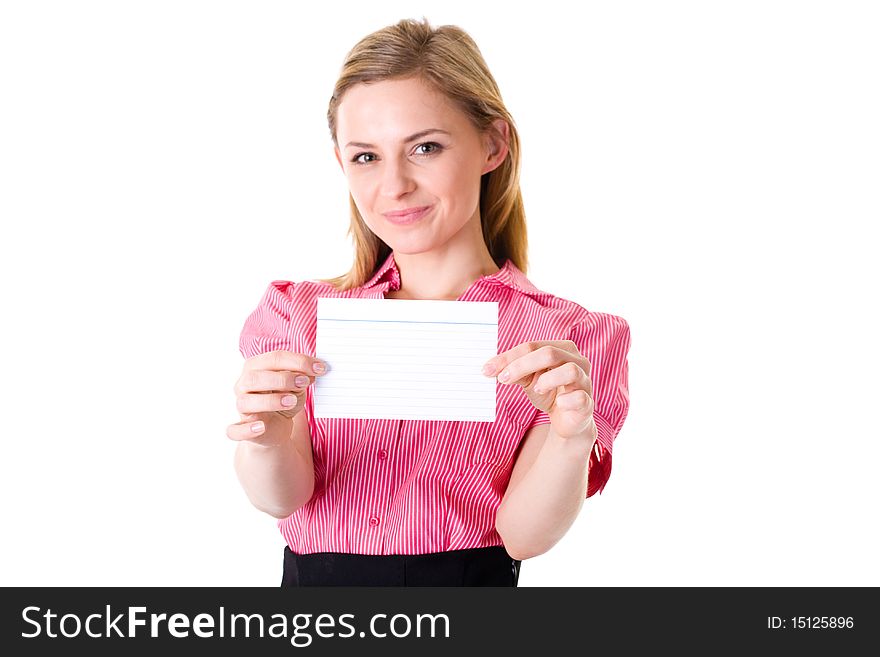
490, 566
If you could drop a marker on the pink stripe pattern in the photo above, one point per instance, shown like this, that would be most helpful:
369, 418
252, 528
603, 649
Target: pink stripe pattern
416, 486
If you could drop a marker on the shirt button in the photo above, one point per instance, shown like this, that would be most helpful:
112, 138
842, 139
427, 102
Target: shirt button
382, 455
374, 521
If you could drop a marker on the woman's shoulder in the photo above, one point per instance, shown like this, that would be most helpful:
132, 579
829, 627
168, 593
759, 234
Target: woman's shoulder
283, 318
563, 311
298, 290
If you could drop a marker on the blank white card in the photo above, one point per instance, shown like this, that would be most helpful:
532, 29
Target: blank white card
401, 359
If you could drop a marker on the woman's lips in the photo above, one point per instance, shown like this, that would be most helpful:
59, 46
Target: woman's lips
408, 218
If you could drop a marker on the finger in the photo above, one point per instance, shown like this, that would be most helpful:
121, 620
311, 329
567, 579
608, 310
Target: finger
505, 358
245, 430
522, 369
266, 402
570, 373
271, 380
499, 362
282, 360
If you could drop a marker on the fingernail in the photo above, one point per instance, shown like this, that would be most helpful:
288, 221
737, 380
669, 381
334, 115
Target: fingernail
288, 400
318, 367
504, 376
488, 369
258, 427
301, 381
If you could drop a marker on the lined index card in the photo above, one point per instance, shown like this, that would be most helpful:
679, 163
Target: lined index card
406, 359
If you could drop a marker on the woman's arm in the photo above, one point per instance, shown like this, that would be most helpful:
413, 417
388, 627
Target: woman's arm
546, 491
278, 474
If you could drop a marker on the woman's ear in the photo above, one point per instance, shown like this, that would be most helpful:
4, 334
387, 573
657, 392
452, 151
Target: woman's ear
497, 139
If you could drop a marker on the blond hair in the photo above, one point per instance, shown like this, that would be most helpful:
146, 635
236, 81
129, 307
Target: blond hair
447, 59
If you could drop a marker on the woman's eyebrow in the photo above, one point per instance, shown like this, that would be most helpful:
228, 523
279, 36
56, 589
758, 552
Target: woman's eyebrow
417, 135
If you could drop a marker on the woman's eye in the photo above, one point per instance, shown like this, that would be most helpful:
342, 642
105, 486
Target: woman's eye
434, 147
357, 158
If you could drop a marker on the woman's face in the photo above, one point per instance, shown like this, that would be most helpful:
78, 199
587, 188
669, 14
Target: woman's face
403, 146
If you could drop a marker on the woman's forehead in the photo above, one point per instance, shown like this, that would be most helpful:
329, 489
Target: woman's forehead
394, 109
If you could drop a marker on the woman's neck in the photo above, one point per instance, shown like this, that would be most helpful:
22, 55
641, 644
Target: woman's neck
426, 277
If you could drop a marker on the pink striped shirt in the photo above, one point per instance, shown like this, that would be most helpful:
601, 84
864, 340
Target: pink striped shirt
419, 486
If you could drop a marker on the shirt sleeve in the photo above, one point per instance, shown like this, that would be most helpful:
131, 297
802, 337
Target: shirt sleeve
605, 340
269, 326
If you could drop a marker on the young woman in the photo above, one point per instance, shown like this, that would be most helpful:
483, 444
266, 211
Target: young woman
431, 157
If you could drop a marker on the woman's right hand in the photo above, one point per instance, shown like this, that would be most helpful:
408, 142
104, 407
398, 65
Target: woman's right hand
271, 386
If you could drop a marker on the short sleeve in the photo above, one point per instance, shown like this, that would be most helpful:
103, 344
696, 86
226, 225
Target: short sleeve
269, 326
605, 340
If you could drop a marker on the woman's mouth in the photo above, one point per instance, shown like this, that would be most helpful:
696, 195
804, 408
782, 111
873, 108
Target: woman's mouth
407, 216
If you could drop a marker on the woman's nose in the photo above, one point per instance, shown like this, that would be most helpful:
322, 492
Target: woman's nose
396, 180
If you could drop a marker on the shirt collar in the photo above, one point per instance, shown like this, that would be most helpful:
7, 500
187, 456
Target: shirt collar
388, 275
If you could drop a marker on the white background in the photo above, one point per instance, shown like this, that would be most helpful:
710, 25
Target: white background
708, 171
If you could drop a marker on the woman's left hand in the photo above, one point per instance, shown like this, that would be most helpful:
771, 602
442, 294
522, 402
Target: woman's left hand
556, 379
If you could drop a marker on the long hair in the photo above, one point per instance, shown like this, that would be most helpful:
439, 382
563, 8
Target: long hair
448, 59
